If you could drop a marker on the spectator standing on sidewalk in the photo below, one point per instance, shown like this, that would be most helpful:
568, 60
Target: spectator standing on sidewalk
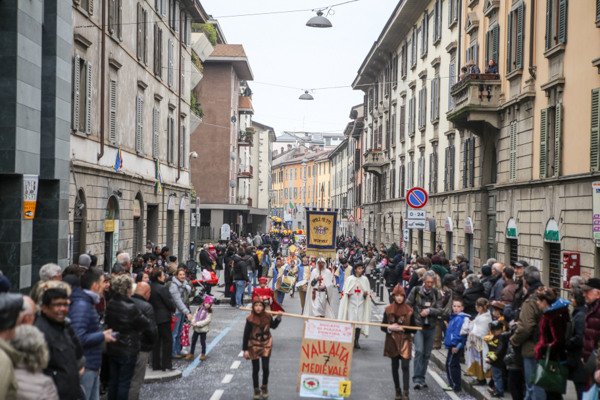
180, 292
10, 307
497, 273
426, 302
574, 345
240, 276
162, 303
455, 343
147, 338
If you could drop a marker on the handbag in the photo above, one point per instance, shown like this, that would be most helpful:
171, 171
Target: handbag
550, 375
590, 365
591, 394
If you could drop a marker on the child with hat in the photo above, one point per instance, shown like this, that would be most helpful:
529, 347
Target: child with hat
201, 325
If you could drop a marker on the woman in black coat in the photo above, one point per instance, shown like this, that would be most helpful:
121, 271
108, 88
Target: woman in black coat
575, 344
471, 294
163, 306
228, 273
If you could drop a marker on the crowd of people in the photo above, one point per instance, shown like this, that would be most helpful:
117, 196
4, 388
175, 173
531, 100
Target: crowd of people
83, 332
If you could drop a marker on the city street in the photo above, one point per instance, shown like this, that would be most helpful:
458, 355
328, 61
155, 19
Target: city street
226, 375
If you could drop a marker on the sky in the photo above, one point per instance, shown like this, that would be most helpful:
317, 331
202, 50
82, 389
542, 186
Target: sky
282, 50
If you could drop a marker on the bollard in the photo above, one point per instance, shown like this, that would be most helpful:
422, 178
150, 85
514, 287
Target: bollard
381, 293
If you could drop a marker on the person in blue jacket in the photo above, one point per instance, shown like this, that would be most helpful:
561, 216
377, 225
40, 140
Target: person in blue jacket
455, 343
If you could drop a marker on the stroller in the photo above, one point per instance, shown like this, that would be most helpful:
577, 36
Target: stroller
201, 287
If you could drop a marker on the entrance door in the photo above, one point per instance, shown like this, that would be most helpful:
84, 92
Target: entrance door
449, 245
108, 254
152, 228
555, 265
170, 223
491, 240
469, 247
180, 254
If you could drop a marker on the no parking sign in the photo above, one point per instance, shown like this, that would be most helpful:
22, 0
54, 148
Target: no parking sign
417, 197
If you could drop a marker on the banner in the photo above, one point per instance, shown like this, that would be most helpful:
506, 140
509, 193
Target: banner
30, 193
321, 233
325, 358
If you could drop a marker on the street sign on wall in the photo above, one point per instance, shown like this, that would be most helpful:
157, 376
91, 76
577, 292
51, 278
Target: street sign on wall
417, 197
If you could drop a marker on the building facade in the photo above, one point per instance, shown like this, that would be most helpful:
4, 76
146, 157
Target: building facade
508, 158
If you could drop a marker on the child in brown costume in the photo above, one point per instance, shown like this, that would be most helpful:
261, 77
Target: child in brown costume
258, 343
398, 341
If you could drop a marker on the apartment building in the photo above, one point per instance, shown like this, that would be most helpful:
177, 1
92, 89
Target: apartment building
260, 181
354, 132
130, 126
341, 188
313, 140
508, 159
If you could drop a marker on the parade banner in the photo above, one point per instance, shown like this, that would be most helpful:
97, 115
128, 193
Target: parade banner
321, 232
325, 358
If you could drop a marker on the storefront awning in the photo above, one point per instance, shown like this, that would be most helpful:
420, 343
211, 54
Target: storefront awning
430, 224
511, 229
448, 225
551, 234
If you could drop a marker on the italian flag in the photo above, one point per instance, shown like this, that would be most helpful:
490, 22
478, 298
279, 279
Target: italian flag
291, 207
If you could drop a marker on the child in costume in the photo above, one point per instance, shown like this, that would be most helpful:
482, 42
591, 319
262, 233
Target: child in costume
257, 344
267, 295
398, 342
477, 347
201, 326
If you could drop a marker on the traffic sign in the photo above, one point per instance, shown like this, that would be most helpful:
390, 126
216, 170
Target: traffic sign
416, 214
417, 197
418, 224
406, 236
351, 218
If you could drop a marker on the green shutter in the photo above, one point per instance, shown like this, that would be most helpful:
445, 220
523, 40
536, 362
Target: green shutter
595, 147
496, 43
513, 152
557, 135
597, 10
548, 24
487, 48
544, 143
562, 21
520, 32
509, 45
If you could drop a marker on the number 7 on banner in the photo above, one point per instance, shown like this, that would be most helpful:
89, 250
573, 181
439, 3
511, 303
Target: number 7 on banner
345, 387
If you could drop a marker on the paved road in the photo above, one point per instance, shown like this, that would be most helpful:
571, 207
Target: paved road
226, 375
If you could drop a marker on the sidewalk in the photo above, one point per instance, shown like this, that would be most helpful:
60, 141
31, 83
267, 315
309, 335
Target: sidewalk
161, 376
480, 392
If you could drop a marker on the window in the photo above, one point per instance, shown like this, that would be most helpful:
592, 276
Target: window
295, 192
556, 22
437, 21
171, 140
155, 132
401, 184
170, 63
492, 44
182, 145
404, 61
597, 12
421, 171
295, 173
393, 183
433, 165
512, 174
285, 193
412, 115
453, 6
87, 5
473, 52
384, 185
469, 162
139, 126
451, 82
423, 107
161, 7
424, 34
112, 113
410, 175
115, 22
82, 95
395, 70
449, 169
435, 99
550, 141
595, 144
142, 34
393, 130
413, 48
402, 121
157, 51
514, 44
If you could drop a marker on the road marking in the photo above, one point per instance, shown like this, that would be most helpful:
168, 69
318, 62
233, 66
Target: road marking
212, 344
217, 394
235, 364
241, 354
227, 378
443, 384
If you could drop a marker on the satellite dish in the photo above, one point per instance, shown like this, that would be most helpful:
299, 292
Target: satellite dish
233, 155
354, 114
233, 119
232, 183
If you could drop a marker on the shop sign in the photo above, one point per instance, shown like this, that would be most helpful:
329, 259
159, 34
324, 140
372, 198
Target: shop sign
137, 211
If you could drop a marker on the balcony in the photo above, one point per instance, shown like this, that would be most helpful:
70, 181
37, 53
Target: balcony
246, 201
195, 121
245, 171
196, 76
245, 105
476, 100
202, 46
375, 161
245, 137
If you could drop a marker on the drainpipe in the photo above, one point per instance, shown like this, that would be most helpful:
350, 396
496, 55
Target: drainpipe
179, 155
102, 73
531, 32
459, 40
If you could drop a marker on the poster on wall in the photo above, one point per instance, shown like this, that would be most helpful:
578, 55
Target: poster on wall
30, 193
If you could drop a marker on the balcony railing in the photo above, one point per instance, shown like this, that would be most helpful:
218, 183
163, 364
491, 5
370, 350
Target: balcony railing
374, 161
245, 171
476, 99
246, 201
245, 137
202, 47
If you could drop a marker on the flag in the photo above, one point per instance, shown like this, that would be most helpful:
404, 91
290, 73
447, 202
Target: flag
292, 208
158, 188
119, 161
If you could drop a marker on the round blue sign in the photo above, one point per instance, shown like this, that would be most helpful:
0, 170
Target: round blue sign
417, 197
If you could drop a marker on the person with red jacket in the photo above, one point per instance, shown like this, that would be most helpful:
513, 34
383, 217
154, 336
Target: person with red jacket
267, 295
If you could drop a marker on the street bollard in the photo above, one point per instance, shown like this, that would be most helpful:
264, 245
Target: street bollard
381, 293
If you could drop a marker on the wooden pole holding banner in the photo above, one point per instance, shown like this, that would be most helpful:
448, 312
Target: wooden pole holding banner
414, 328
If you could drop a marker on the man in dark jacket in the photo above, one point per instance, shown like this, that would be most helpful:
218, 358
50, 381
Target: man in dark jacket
471, 294
509, 286
147, 338
123, 316
240, 276
163, 306
487, 280
392, 250
574, 345
591, 334
252, 269
399, 263
510, 310
426, 302
228, 274
463, 263
84, 320
497, 273
67, 361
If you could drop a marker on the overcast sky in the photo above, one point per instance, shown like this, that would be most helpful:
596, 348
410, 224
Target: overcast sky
282, 50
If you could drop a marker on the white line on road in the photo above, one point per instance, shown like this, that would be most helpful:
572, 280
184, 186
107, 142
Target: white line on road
227, 378
217, 394
241, 354
442, 384
235, 364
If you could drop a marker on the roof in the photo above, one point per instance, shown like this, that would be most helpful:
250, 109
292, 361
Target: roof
307, 137
339, 148
234, 54
296, 160
228, 50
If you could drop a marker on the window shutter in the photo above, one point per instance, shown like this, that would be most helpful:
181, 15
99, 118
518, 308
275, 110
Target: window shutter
169, 141
163, 8
597, 10
509, 52
113, 112
170, 63
544, 143
513, 152
111, 16
160, 53
468, 55
430, 172
424, 123
145, 49
437, 97
548, 24
119, 20
139, 125
450, 8
420, 117
181, 146
557, 139
496, 43
419, 171
76, 85
90, 7
88, 103
176, 17
472, 162
562, 21
156, 48
431, 100
476, 53
439, 23
446, 160
188, 34
465, 162
139, 32
455, 13
402, 120
595, 146
183, 74
452, 81
487, 47
520, 30
410, 116
451, 179
155, 130
435, 171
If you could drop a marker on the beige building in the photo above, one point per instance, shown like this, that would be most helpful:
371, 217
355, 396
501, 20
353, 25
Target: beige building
518, 151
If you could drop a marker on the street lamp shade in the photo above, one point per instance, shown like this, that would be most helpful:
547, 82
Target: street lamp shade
319, 21
306, 96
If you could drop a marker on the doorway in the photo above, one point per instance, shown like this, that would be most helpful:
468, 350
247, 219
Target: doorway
170, 227
152, 227
469, 249
180, 254
491, 239
449, 245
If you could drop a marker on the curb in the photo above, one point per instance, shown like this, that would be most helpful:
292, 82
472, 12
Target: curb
161, 376
479, 392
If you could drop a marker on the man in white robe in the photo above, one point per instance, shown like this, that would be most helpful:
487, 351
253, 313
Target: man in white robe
355, 304
320, 291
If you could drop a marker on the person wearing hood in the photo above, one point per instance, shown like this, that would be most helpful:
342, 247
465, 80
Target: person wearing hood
398, 341
320, 292
258, 343
437, 267
463, 262
553, 327
527, 332
471, 294
355, 304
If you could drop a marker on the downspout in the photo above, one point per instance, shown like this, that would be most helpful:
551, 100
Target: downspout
179, 155
102, 73
531, 32
458, 64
